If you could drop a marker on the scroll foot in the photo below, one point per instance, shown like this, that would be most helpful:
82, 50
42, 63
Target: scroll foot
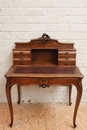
75, 126
70, 103
18, 102
11, 125
78, 98
18, 88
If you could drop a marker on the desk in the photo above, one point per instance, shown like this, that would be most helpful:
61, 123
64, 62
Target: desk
35, 71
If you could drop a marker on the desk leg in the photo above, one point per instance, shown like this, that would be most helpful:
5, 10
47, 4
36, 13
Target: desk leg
8, 94
70, 90
78, 98
18, 88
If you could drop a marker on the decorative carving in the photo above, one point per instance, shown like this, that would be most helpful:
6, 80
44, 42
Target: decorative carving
79, 86
44, 83
8, 84
45, 38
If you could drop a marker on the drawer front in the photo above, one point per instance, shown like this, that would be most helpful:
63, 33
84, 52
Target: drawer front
66, 54
66, 62
22, 54
21, 62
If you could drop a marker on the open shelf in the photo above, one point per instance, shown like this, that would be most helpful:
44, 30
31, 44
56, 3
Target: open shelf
44, 57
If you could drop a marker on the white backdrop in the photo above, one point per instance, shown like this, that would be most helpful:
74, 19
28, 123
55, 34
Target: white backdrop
22, 20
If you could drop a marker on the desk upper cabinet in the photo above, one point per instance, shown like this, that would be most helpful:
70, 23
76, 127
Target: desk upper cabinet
44, 51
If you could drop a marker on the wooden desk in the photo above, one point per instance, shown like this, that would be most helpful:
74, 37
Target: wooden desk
45, 62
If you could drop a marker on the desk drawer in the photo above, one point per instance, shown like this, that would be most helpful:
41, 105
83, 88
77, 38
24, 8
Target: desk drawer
22, 62
66, 62
66, 54
22, 54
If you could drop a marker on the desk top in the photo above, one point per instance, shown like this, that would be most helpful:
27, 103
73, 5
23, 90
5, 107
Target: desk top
35, 71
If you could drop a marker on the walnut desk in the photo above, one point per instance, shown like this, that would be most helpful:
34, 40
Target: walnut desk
44, 61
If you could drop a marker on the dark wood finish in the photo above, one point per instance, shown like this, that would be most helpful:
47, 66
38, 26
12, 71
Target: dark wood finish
22, 54
70, 90
18, 87
44, 61
44, 57
21, 62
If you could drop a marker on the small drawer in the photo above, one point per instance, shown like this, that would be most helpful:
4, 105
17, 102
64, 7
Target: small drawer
66, 52
22, 54
66, 55
69, 56
67, 62
21, 62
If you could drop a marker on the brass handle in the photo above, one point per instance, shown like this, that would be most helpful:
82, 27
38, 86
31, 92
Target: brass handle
22, 63
43, 80
21, 53
44, 85
67, 52
67, 63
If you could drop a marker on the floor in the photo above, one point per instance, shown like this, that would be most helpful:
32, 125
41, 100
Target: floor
43, 117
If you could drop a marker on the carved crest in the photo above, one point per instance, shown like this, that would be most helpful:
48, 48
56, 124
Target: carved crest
45, 38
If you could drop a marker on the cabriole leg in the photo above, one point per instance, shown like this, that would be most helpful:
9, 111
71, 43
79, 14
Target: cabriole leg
18, 88
78, 98
70, 91
8, 94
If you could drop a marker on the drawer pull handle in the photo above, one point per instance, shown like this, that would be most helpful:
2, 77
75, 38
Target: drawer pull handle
22, 63
67, 53
44, 85
67, 63
21, 53
43, 80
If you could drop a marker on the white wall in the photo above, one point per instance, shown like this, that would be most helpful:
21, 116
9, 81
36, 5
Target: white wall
22, 20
